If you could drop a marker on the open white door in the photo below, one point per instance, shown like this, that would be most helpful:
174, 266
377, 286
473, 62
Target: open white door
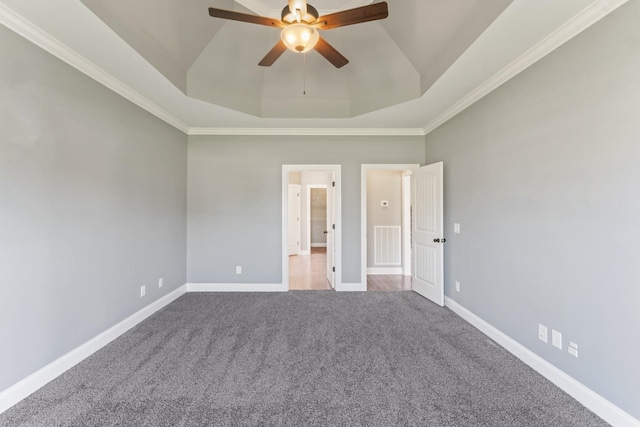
331, 215
294, 220
427, 230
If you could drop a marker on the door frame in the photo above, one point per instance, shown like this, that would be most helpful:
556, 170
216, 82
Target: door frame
364, 168
406, 223
337, 253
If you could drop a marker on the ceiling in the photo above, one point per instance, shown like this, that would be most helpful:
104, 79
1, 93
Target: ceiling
407, 74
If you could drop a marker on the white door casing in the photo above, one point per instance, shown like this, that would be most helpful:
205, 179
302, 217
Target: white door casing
406, 223
427, 230
331, 231
337, 237
294, 220
365, 168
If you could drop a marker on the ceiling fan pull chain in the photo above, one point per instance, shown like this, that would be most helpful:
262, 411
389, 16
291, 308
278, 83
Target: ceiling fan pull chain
304, 74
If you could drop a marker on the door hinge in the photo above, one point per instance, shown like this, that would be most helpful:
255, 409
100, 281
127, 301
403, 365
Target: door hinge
333, 226
334, 269
333, 184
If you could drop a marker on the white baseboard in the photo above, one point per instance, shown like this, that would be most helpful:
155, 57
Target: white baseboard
38, 379
307, 252
318, 245
589, 398
351, 287
236, 287
378, 271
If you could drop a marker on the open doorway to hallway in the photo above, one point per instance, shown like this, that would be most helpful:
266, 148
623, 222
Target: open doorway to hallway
386, 226
314, 266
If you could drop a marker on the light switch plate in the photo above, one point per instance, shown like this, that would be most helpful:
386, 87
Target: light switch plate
456, 228
556, 339
543, 333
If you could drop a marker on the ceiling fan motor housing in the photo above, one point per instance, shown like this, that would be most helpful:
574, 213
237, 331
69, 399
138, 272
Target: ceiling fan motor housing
290, 17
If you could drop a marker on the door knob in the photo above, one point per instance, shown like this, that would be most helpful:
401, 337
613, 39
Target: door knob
436, 240
439, 240
325, 232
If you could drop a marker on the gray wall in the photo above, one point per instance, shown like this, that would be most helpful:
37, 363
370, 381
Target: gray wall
92, 206
543, 176
235, 199
382, 185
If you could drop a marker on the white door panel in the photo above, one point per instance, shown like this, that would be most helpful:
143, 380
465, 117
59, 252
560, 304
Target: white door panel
427, 230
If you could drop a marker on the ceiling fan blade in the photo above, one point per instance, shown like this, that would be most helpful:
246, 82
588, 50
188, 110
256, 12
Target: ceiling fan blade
330, 53
273, 54
244, 17
368, 13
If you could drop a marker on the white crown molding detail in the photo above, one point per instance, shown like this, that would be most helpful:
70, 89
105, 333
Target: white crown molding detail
38, 379
306, 131
35, 35
236, 287
592, 14
589, 398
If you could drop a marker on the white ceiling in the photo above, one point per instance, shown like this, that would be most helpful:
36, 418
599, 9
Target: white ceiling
172, 48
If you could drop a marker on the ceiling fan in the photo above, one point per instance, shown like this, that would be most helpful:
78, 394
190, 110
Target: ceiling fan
300, 24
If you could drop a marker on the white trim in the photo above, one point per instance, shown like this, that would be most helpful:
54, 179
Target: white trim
38, 379
377, 271
337, 238
305, 252
208, 131
318, 245
364, 168
351, 287
236, 287
590, 399
592, 14
35, 35
406, 223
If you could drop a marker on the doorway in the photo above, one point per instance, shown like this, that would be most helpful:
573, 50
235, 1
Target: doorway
317, 265
386, 226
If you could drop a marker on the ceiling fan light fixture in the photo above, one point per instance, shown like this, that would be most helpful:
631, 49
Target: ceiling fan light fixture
300, 37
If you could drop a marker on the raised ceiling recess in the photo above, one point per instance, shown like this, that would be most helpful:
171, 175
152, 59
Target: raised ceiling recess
216, 60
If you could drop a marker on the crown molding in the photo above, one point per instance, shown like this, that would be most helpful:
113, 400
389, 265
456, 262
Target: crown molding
35, 35
196, 131
589, 16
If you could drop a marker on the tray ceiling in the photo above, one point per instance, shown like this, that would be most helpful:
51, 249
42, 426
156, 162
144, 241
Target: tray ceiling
149, 49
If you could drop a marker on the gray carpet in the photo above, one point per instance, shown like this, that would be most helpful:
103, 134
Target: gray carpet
301, 358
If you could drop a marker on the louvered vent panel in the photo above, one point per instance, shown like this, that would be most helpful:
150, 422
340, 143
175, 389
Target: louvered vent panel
386, 244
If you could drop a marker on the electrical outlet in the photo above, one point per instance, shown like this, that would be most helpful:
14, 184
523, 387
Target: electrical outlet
456, 228
238, 269
543, 333
143, 290
573, 349
160, 282
457, 286
556, 339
